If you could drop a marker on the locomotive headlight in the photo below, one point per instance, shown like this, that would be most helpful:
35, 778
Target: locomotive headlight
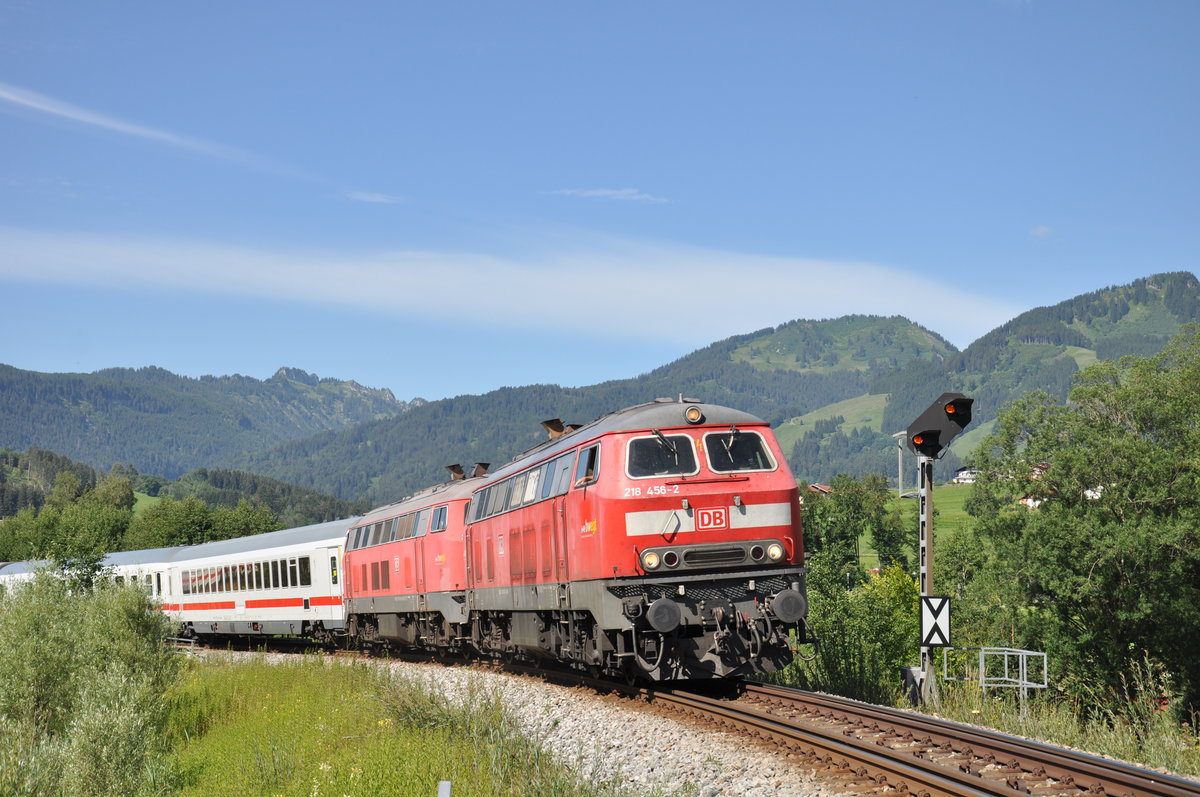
650, 561
693, 415
774, 552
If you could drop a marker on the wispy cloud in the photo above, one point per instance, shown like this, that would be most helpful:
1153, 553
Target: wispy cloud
24, 99
1042, 231
369, 196
623, 194
638, 289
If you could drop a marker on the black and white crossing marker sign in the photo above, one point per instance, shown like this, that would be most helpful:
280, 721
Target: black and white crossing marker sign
935, 622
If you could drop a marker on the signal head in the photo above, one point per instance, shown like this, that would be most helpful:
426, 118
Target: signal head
932, 432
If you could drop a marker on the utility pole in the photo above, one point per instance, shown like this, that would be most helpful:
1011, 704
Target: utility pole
899, 436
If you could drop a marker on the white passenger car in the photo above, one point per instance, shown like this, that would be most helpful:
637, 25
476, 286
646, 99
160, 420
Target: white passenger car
279, 583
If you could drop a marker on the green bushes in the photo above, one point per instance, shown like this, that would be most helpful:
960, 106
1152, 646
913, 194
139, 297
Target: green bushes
867, 633
82, 676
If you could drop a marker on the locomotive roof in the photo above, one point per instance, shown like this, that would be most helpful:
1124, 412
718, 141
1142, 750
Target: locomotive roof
658, 414
446, 491
270, 539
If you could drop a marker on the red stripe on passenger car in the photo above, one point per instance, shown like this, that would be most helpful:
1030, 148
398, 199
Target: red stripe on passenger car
199, 607
325, 600
274, 603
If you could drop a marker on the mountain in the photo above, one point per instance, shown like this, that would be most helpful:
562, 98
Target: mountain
776, 373
166, 424
1041, 349
835, 389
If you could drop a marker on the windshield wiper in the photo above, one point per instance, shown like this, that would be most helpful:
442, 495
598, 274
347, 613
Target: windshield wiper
665, 443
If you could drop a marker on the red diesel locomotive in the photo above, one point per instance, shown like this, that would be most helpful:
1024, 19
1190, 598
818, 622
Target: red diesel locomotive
659, 542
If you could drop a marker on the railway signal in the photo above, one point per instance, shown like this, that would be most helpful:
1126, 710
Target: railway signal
930, 434
927, 437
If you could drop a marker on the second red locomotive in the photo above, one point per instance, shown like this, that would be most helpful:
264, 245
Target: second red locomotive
659, 542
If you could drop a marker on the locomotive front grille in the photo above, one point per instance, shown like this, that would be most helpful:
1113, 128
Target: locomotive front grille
706, 557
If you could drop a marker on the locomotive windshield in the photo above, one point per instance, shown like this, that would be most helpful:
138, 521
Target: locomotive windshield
736, 450
661, 455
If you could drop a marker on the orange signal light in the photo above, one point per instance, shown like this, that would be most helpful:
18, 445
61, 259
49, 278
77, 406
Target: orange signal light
918, 439
951, 409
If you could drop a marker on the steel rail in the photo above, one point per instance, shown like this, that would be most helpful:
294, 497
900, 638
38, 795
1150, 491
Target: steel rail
1075, 770
874, 766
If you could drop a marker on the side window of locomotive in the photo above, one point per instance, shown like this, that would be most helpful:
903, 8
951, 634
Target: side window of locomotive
737, 451
562, 478
531, 485
517, 493
422, 525
588, 466
497, 498
668, 455
439, 518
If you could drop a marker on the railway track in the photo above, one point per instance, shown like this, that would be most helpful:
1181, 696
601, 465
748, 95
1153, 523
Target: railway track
863, 748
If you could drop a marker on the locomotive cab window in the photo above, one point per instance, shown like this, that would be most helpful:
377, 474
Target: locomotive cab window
661, 455
588, 466
736, 450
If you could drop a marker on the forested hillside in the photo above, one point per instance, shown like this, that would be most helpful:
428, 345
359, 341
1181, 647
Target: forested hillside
29, 478
837, 389
1038, 350
387, 459
166, 424
887, 369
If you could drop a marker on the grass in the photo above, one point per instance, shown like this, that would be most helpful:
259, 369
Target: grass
865, 410
1137, 732
142, 502
314, 728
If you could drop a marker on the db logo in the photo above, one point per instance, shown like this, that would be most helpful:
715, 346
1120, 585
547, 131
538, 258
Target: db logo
712, 519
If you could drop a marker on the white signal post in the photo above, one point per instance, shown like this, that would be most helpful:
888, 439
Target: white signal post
925, 539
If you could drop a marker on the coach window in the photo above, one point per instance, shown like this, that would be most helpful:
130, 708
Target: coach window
587, 466
305, 572
274, 574
661, 455
333, 570
185, 582
293, 574
736, 450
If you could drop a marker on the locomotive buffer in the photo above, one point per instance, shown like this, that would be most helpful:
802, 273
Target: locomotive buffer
928, 437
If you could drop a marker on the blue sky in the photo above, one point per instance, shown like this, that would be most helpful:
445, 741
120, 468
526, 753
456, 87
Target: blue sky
446, 198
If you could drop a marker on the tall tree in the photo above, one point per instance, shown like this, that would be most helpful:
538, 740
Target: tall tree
1105, 570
